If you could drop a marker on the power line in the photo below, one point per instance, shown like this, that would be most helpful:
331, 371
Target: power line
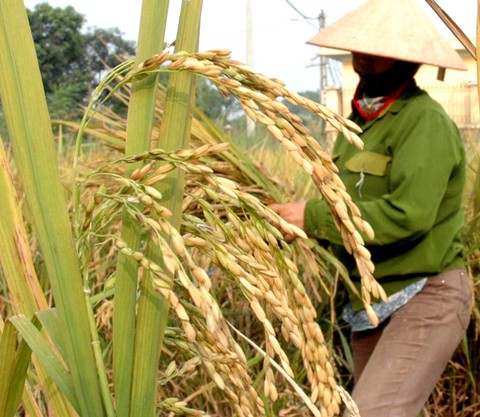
327, 67
304, 17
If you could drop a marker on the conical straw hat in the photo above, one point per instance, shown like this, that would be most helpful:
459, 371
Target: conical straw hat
396, 29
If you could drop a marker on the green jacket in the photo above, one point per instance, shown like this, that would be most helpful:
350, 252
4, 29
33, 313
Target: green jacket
408, 184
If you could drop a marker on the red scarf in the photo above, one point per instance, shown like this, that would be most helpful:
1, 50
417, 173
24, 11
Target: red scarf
369, 114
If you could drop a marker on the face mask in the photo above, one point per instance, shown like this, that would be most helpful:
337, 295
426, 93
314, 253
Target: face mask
383, 83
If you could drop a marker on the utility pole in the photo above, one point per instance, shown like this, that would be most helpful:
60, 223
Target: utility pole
249, 33
250, 123
323, 59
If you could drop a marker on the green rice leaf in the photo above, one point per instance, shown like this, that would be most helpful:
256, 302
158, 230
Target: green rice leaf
30, 131
49, 360
24, 289
15, 361
52, 325
139, 128
174, 134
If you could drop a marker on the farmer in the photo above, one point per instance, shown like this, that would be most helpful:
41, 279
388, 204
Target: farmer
408, 184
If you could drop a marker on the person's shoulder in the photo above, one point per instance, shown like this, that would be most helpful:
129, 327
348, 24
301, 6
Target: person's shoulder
419, 101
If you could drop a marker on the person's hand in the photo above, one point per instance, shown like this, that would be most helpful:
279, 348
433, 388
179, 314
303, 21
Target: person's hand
292, 213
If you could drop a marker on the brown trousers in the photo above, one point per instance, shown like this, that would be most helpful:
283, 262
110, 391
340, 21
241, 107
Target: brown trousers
398, 364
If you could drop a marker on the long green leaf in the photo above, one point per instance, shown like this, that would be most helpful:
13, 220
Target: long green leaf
95, 133
139, 126
51, 323
53, 326
47, 357
24, 289
29, 126
174, 134
13, 371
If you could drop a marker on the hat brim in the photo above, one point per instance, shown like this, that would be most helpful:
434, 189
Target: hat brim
392, 29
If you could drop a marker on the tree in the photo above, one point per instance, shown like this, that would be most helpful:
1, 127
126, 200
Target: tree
71, 60
105, 48
60, 46
217, 107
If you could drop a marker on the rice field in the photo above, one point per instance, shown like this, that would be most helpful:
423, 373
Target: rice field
142, 271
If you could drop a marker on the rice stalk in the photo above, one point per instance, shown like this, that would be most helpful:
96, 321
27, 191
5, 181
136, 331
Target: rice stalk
315, 411
174, 134
454, 28
132, 381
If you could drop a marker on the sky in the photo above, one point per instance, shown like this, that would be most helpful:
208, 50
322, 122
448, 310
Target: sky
279, 31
